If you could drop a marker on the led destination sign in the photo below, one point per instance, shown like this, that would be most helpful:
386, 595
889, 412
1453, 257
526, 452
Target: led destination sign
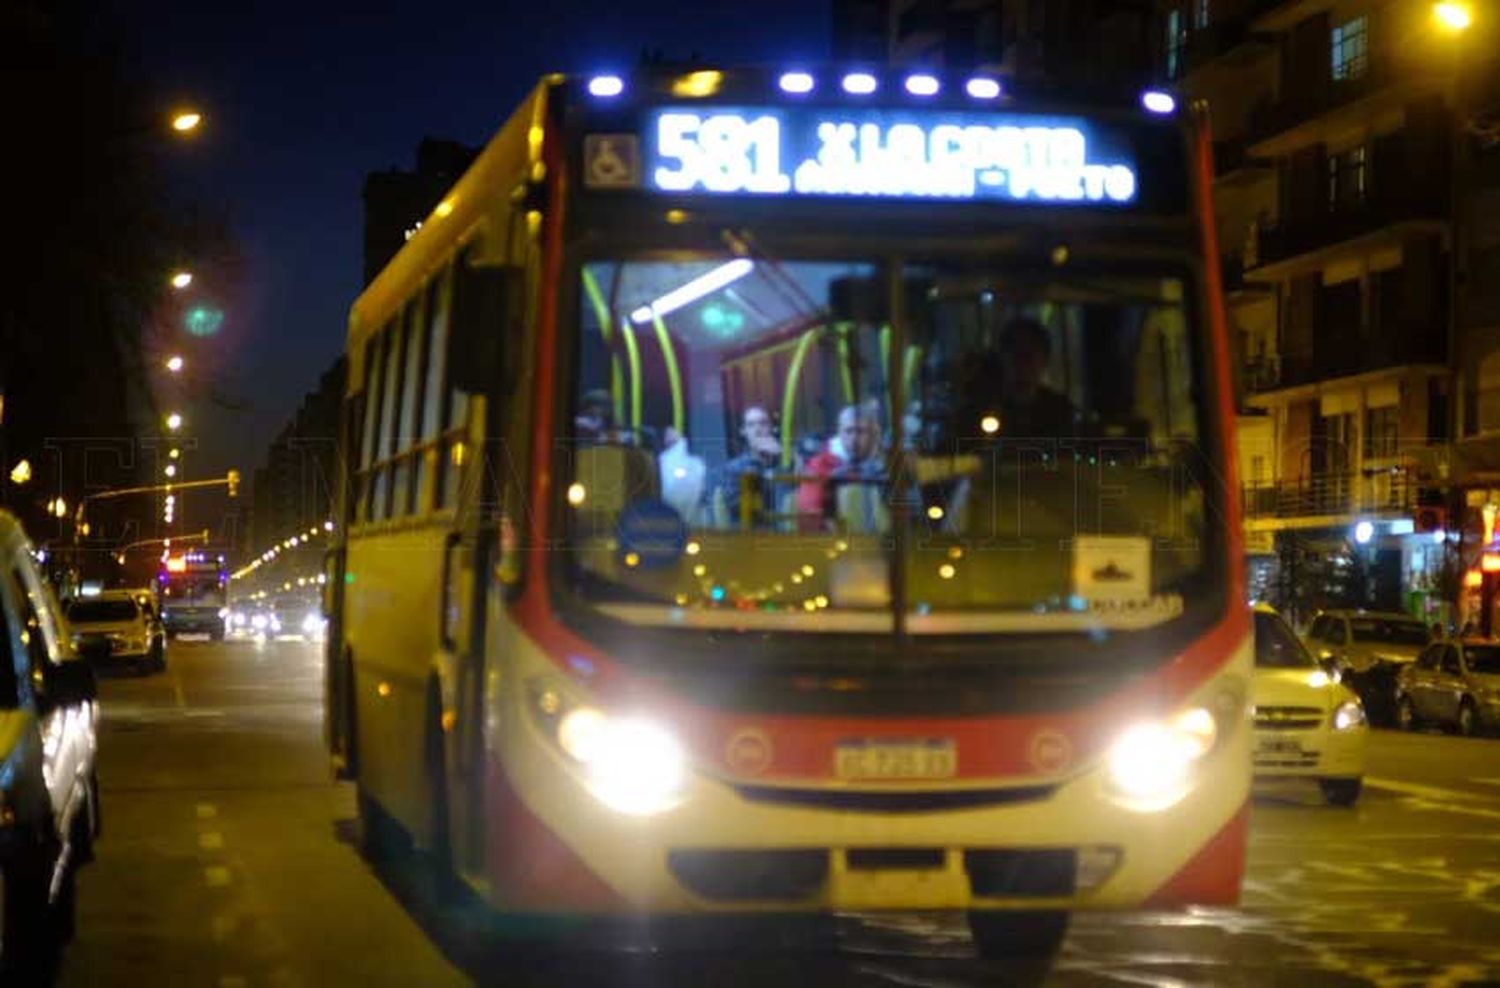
888, 153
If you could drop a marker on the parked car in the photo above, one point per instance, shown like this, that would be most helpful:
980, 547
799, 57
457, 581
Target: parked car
51, 816
152, 608
1368, 649
1453, 684
1307, 725
113, 626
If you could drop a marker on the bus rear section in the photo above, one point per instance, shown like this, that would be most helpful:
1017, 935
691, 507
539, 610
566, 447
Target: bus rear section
861, 533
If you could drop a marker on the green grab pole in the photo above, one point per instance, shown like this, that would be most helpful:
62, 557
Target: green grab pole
789, 400
674, 378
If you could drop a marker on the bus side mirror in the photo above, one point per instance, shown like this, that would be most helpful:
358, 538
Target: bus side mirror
487, 303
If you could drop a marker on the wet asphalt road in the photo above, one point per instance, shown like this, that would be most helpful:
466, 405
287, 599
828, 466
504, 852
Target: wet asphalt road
227, 861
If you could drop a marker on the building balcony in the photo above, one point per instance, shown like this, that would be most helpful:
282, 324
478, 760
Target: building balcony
1235, 165
1262, 373
1313, 114
1334, 496
1233, 41
1315, 239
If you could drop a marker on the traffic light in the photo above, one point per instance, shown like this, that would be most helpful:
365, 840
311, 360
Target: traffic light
234, 483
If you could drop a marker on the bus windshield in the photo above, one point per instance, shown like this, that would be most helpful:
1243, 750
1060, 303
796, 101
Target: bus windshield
747, 435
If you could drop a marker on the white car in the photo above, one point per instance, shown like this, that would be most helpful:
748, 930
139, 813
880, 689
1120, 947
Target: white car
1307, 725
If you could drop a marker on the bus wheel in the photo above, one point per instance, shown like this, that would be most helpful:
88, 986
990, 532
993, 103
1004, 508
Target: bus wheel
381, 839
1341, 792
1002, 934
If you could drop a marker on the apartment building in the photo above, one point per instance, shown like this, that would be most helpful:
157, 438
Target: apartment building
1335, 145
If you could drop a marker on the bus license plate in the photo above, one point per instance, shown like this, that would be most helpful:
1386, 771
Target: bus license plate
935, 759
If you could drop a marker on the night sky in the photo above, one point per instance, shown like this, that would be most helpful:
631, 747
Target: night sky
305, 98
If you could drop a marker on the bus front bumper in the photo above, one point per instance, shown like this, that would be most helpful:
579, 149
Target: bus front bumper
553, 847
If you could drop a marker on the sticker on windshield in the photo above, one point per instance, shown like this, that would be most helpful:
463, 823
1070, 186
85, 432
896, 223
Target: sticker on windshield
1112, 568
651, 533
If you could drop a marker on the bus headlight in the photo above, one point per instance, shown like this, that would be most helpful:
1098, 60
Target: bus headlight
632, 764
1150, 765
1349, 715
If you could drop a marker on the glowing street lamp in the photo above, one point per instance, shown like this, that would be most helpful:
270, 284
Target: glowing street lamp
21, 473
186, 121
175, 453
174, 364
171, 470
1453, 17
182, 279
174, 422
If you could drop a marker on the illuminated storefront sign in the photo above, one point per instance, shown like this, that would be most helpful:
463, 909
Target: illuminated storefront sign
888, 153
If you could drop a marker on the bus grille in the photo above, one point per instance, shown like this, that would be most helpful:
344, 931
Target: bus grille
781, 875
798, 874
1022, 874
895, 801
1287, 718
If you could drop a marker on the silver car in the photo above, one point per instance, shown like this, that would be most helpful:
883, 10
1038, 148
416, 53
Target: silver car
1452, 684
1357, 640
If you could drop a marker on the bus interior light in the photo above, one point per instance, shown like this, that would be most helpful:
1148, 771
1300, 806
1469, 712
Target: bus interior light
704, 285
1156, 101
860, 84
606, 86
796, 83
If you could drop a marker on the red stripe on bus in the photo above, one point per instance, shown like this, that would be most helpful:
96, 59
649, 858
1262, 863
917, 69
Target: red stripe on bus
1219, 341
1213, 876
532, 868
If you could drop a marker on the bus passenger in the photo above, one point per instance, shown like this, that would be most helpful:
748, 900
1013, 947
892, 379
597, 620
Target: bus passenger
1029, 408
833, 487
759, 458
595, 421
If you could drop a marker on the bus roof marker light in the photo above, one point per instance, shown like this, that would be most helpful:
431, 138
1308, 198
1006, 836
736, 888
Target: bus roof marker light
922, 84
1156, 101
796, 83
703, 285
982, 88
606, 86
860, 84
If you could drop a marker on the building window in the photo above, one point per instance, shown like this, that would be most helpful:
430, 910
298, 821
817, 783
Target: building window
1489, 393
1347, 178
1200, 14
1382, 429
1176, 41
1350, 48
1334, 455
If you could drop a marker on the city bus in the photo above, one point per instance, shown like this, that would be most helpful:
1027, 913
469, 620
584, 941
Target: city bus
801, 492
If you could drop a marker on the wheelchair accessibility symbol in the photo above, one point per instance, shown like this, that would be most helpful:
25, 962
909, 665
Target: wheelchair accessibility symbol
611, 161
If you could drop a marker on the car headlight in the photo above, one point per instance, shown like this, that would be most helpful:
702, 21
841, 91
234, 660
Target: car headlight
237, 619
275, 623
632, 764
1349, 715
1150, 765
258, 622
312, 624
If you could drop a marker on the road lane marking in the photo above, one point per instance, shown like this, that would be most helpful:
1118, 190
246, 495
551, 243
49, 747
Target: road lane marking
217, 876
1430, 792
207, 811
177, 691
211, 840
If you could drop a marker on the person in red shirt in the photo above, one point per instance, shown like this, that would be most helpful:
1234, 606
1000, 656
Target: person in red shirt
852, 454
